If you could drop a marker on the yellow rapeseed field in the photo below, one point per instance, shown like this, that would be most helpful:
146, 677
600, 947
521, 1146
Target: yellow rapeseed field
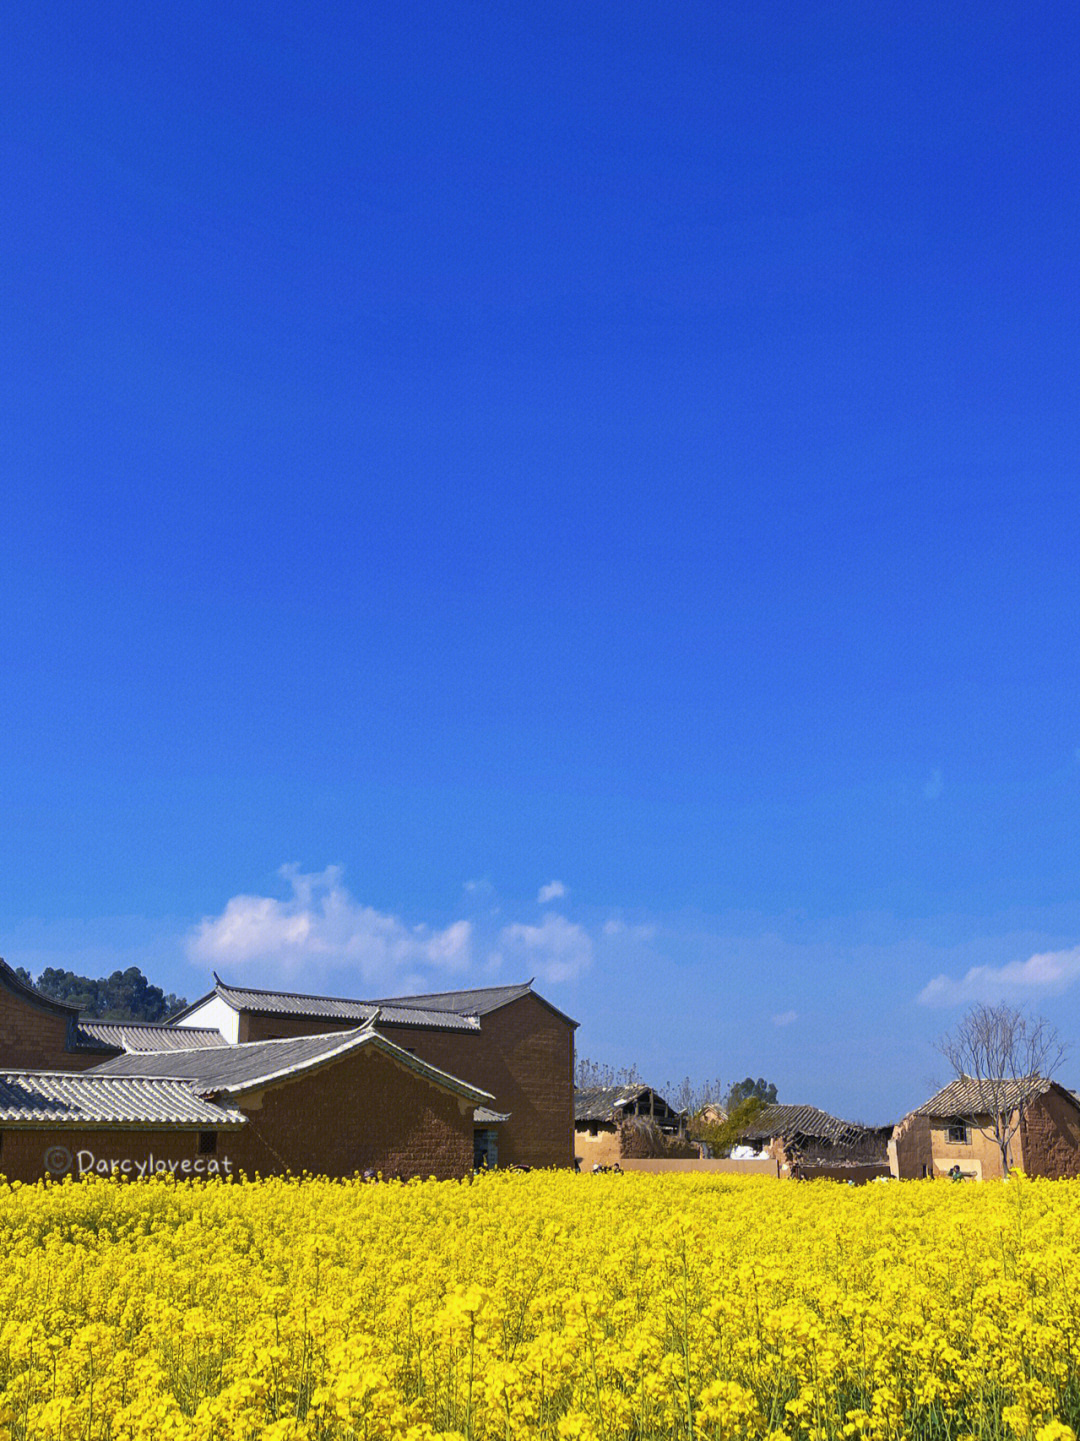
544, 1305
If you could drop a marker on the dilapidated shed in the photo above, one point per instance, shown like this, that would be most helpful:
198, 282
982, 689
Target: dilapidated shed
613, 1122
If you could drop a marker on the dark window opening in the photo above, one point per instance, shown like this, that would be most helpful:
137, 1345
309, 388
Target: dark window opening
207, 1143
957, 1133
485, 1149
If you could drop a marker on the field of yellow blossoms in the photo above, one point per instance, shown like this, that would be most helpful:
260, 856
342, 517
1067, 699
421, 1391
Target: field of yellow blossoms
544, 1305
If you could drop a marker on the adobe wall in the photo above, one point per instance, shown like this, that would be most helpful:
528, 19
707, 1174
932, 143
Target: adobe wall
524, 1055
1050, 1136
920, 1147
273, 1028
603, 1149
31, 1154
364, 1112
981, 1156
34, 1037
910, 1151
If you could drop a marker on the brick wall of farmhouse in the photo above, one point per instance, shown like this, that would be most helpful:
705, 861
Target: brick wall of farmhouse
23, 1152
273, 1028
523, 1054
364, 1111
909, 1148
979, 1156
34, 1037
1051, 1137
920, 1146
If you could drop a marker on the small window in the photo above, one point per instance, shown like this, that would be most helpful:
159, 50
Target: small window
957, 1134
207, 1143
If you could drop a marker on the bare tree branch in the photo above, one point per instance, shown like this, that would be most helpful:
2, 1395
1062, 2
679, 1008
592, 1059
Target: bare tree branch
1006, 1054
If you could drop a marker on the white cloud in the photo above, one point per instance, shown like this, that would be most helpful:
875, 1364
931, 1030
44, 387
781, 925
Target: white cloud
551, 892
319, 928
617, 927
1050, 972
555, 950
934, 786
785, 1018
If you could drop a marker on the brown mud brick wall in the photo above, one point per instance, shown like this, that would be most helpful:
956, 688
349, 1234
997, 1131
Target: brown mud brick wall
34, 1037
366, 1112
1050, 1137
523, 1055
23, 1153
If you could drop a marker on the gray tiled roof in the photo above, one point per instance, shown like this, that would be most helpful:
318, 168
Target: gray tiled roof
476, 1002
790, 1121
483, 1117
392, 1013
246, 1067
969, 1097
409, 1011
146, 1035
87, 1098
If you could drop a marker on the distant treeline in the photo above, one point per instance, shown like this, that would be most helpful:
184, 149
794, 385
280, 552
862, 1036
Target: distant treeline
123, 996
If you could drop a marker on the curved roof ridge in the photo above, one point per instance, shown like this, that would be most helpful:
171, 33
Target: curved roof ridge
9, 979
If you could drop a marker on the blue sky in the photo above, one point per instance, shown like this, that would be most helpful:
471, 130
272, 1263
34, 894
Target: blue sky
582, 491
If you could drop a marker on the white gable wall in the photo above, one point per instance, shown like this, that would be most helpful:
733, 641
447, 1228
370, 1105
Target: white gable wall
218, 1014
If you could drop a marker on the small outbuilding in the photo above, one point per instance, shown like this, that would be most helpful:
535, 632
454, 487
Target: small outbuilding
955, 1128
612, 1123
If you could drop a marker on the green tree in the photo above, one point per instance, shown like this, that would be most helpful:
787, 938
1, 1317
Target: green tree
761, 1090
123, 996
722, 1132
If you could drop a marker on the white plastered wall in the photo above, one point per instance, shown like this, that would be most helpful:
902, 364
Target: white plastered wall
219, 1015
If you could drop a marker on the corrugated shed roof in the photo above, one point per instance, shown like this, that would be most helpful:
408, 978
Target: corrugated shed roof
246, 1067
87, 1098
605, 1103
147, 1036
969, 1097
777, 1120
